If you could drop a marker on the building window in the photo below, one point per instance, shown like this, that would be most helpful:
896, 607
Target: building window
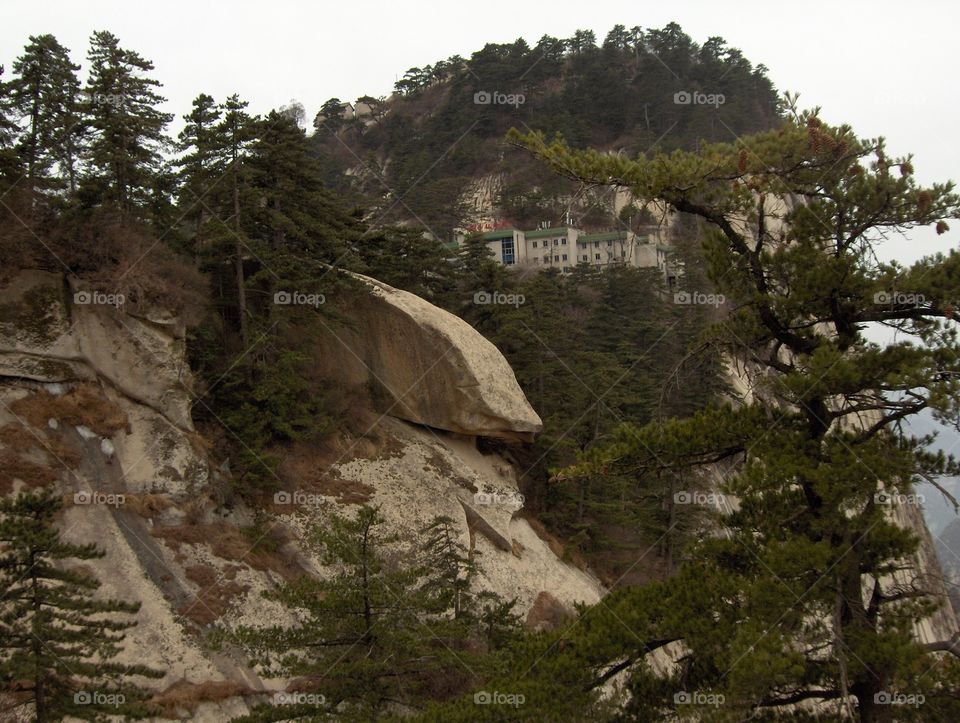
580, 244
556, 242
556, 258
596, 244
534, 244
546, 259
564, 257
586, 258
598, 257
506, 250
563, 241
609, 243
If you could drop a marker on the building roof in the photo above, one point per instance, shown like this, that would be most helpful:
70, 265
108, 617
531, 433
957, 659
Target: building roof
541, 232
499, 233
603, 236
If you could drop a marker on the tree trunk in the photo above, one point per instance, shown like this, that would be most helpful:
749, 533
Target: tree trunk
238, 267
854, 623
41, 708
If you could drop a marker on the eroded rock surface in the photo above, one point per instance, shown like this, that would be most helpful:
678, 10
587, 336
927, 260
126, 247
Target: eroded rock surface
50, 334
428, 366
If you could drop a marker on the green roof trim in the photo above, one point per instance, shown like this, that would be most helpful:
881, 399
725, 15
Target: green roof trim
541, 232
603, 236
498, 234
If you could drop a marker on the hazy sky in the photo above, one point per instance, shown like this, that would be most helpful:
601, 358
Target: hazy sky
887, 68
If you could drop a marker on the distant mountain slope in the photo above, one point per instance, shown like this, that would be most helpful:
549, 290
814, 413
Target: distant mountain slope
948, 550
420, 154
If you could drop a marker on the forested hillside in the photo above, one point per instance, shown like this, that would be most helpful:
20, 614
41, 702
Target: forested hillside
419, 151
240, 207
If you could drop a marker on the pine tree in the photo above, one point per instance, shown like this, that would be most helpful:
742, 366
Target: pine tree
362, 640
45, 96
330, 116
232, 138
451, 567
58, 641
296, 220
126, 125
275, 235
9, 160
200, 164
804, 598
479, 274
410, 260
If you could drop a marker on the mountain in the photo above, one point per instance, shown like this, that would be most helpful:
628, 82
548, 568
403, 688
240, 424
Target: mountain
433, 154
269, 451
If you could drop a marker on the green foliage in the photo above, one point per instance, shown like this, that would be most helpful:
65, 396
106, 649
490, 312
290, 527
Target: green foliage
408, 259
45, 98
9, 158
383, 630
451, 566
438, 139
809, 593
592, 351
126, 126
57, 638
268, 230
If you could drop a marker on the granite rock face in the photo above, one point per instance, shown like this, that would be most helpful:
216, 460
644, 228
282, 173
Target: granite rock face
427, 366
53, 331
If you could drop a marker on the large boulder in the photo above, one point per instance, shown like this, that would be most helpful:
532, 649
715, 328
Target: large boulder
427, 366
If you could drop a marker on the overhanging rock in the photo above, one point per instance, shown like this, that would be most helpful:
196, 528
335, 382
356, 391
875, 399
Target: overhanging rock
427, 366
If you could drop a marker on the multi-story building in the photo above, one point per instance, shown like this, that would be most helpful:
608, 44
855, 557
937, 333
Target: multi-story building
552, 247
507, 245
564, 247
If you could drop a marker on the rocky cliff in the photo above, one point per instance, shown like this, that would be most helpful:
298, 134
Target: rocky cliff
96, 399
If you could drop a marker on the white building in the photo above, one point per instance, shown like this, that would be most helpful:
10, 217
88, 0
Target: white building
564, 247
